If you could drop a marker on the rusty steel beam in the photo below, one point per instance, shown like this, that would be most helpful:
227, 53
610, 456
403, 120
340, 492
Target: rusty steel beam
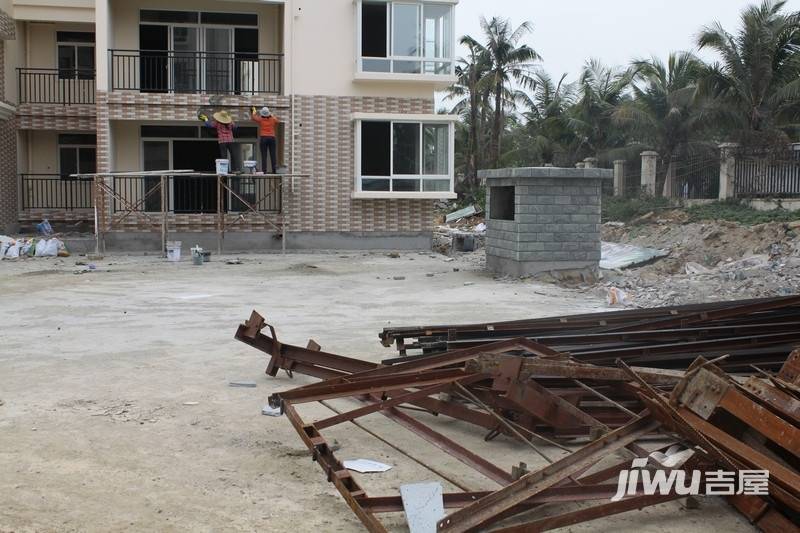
481, 512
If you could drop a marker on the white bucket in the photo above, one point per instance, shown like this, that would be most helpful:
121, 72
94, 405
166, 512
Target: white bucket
173, 251
223, 165
250, 166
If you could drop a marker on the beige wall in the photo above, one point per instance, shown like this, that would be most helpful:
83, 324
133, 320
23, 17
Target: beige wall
125, 19
54, 10
42, 154
127, 148
41, 42
322, 53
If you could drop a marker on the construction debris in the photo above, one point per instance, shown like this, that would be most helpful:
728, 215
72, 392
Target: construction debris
518, 385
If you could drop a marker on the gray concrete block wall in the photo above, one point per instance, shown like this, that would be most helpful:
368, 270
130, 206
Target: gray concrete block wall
556, 222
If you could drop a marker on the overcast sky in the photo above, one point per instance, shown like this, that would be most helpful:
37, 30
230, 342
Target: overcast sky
567, 32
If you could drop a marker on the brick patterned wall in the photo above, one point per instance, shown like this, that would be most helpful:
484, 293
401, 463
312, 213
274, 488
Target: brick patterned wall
9, 188
57, 117
8, 26
326, 151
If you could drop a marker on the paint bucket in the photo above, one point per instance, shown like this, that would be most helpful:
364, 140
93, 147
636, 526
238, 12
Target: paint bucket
174, 251
250, 166
223, 165
206, 256
197, 256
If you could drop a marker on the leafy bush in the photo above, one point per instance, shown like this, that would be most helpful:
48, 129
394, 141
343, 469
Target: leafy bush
619, 209
735, 211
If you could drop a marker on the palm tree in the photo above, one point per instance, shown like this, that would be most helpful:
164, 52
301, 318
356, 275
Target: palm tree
509, 63
547, 121
756, 85
665, 113
602, 89
470, 90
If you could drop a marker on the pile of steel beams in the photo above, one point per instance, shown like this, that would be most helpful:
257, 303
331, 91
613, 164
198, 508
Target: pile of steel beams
516, 387
758, 331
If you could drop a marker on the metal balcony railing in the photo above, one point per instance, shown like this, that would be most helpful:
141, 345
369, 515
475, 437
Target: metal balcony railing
51, 191
171, 71
193, 194
55, 86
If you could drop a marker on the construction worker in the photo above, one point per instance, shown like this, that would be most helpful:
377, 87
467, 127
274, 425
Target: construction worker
267, 124
224, 124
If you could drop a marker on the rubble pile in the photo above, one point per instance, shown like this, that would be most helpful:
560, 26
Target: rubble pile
708, 261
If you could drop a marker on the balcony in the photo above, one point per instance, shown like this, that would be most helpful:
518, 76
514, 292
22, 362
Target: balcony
51, 191
55, 86
160, 71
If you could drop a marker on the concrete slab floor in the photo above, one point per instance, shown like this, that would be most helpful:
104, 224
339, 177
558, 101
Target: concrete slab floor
118, 416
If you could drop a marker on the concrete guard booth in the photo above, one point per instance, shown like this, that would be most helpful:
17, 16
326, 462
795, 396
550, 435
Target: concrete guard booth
543, 219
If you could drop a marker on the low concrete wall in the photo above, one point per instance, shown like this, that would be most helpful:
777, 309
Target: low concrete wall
790, 204
259, 241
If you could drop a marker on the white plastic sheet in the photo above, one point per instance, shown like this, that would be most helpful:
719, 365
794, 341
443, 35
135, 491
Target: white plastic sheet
617, 256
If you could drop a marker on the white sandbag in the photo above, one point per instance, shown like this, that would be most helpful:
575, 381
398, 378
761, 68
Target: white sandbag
13, 251
47, 248
41, 245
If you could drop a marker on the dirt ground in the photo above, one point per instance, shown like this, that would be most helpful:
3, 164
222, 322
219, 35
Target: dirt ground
100, 372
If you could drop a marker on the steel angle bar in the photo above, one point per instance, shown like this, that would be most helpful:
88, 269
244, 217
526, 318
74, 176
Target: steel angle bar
482, 512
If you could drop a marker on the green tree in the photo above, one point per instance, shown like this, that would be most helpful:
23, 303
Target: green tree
602, 89
509, 63
665, 113
756, 85
547, 124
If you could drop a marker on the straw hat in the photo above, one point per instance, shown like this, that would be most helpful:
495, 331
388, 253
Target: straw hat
264, 112
223, 117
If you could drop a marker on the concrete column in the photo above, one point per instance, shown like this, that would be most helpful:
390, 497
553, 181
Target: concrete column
590, 162
102, 38
649, 165
727, 170
619, 177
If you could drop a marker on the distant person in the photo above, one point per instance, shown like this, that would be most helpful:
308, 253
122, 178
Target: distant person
267, 125
224, 124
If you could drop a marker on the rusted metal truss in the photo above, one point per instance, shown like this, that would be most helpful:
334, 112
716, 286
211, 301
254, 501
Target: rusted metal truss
760, 332
537, 395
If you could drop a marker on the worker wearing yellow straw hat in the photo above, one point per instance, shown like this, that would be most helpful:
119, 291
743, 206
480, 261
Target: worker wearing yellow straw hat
223, 122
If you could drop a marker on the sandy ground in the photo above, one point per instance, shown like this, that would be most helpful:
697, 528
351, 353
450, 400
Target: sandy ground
96, 371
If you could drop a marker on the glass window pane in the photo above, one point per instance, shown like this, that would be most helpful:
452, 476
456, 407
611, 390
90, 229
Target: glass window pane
156, 155
184, 68
373, 29
374, 185
405, 149
87, 160
68, 161
218, 62
66, 61
230, 19
85, 62
436, 185
75, 36
438, 34
405, 30
436, 149
376, 65
375, 146
406, 67
157, 15
405, 185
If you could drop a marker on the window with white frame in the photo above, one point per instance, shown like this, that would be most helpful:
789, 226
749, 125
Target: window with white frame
77, 154
404, 156
406, 37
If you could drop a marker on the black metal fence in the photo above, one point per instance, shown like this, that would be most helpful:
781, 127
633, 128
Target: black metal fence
55, 86
49, 191
767, 174
192, 194
695, 176
170, 71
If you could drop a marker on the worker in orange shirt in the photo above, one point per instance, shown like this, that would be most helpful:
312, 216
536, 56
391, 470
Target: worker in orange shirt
267, 124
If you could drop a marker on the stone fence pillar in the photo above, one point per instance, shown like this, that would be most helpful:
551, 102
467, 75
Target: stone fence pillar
619, 177
649, 167
727, 170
